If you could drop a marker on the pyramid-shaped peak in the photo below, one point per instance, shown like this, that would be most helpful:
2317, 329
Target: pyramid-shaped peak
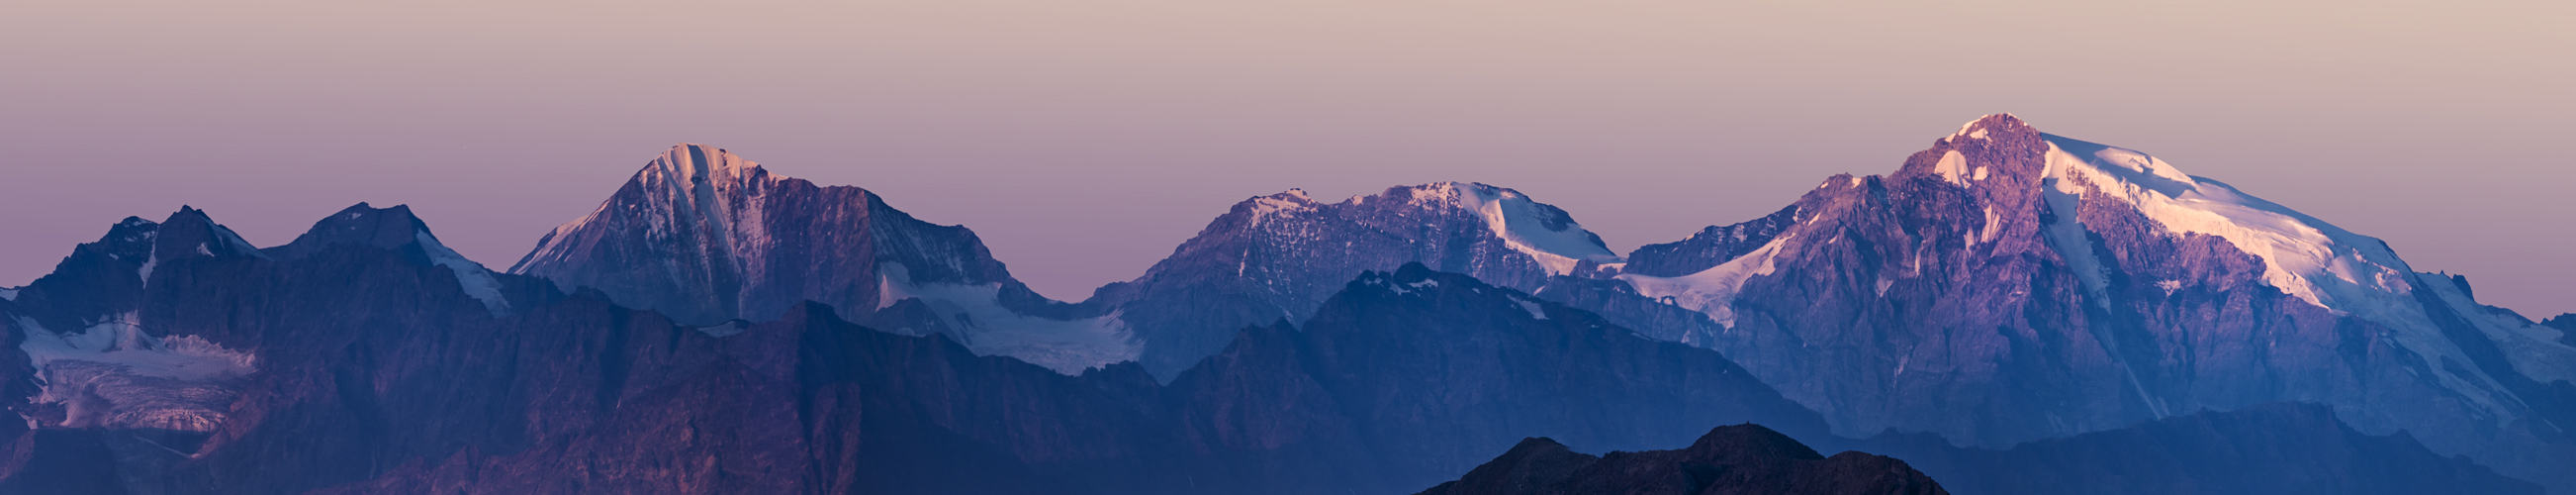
360, 224
191, 231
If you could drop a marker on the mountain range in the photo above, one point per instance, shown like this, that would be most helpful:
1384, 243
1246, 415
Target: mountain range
2007, 302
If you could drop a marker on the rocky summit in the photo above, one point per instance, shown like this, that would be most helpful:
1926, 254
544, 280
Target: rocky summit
1738, 459
2008, 285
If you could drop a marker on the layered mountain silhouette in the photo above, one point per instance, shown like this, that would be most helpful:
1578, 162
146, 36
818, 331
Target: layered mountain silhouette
2007, 303
376, 371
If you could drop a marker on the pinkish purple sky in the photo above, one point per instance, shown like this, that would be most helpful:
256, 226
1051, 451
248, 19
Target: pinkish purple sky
1083, 140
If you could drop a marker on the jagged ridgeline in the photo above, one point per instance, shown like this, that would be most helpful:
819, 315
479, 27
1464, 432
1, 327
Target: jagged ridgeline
2007, 303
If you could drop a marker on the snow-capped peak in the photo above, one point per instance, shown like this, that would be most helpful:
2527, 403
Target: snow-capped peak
691, 183
1547, 234
1544, 232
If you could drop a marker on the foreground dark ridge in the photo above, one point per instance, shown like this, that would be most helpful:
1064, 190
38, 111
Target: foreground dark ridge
1739, 459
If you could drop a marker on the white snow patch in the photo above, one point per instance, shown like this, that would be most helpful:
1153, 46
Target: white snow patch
201, 250
476, 280
987, 328
1711, 291
116, 376
1994, 226
10, 294
1535, 310
148, 264
2169, 286
1952, 167
1981, 173
1402, 289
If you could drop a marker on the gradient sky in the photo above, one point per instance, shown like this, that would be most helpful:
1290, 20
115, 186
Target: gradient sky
1083, 140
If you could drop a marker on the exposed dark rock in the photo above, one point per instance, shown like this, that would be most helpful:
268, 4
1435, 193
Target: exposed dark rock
1739, 459
391, 229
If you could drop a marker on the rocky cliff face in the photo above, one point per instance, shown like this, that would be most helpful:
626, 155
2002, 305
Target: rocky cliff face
706, 236
2008, 285
1739, 459
1280, 256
